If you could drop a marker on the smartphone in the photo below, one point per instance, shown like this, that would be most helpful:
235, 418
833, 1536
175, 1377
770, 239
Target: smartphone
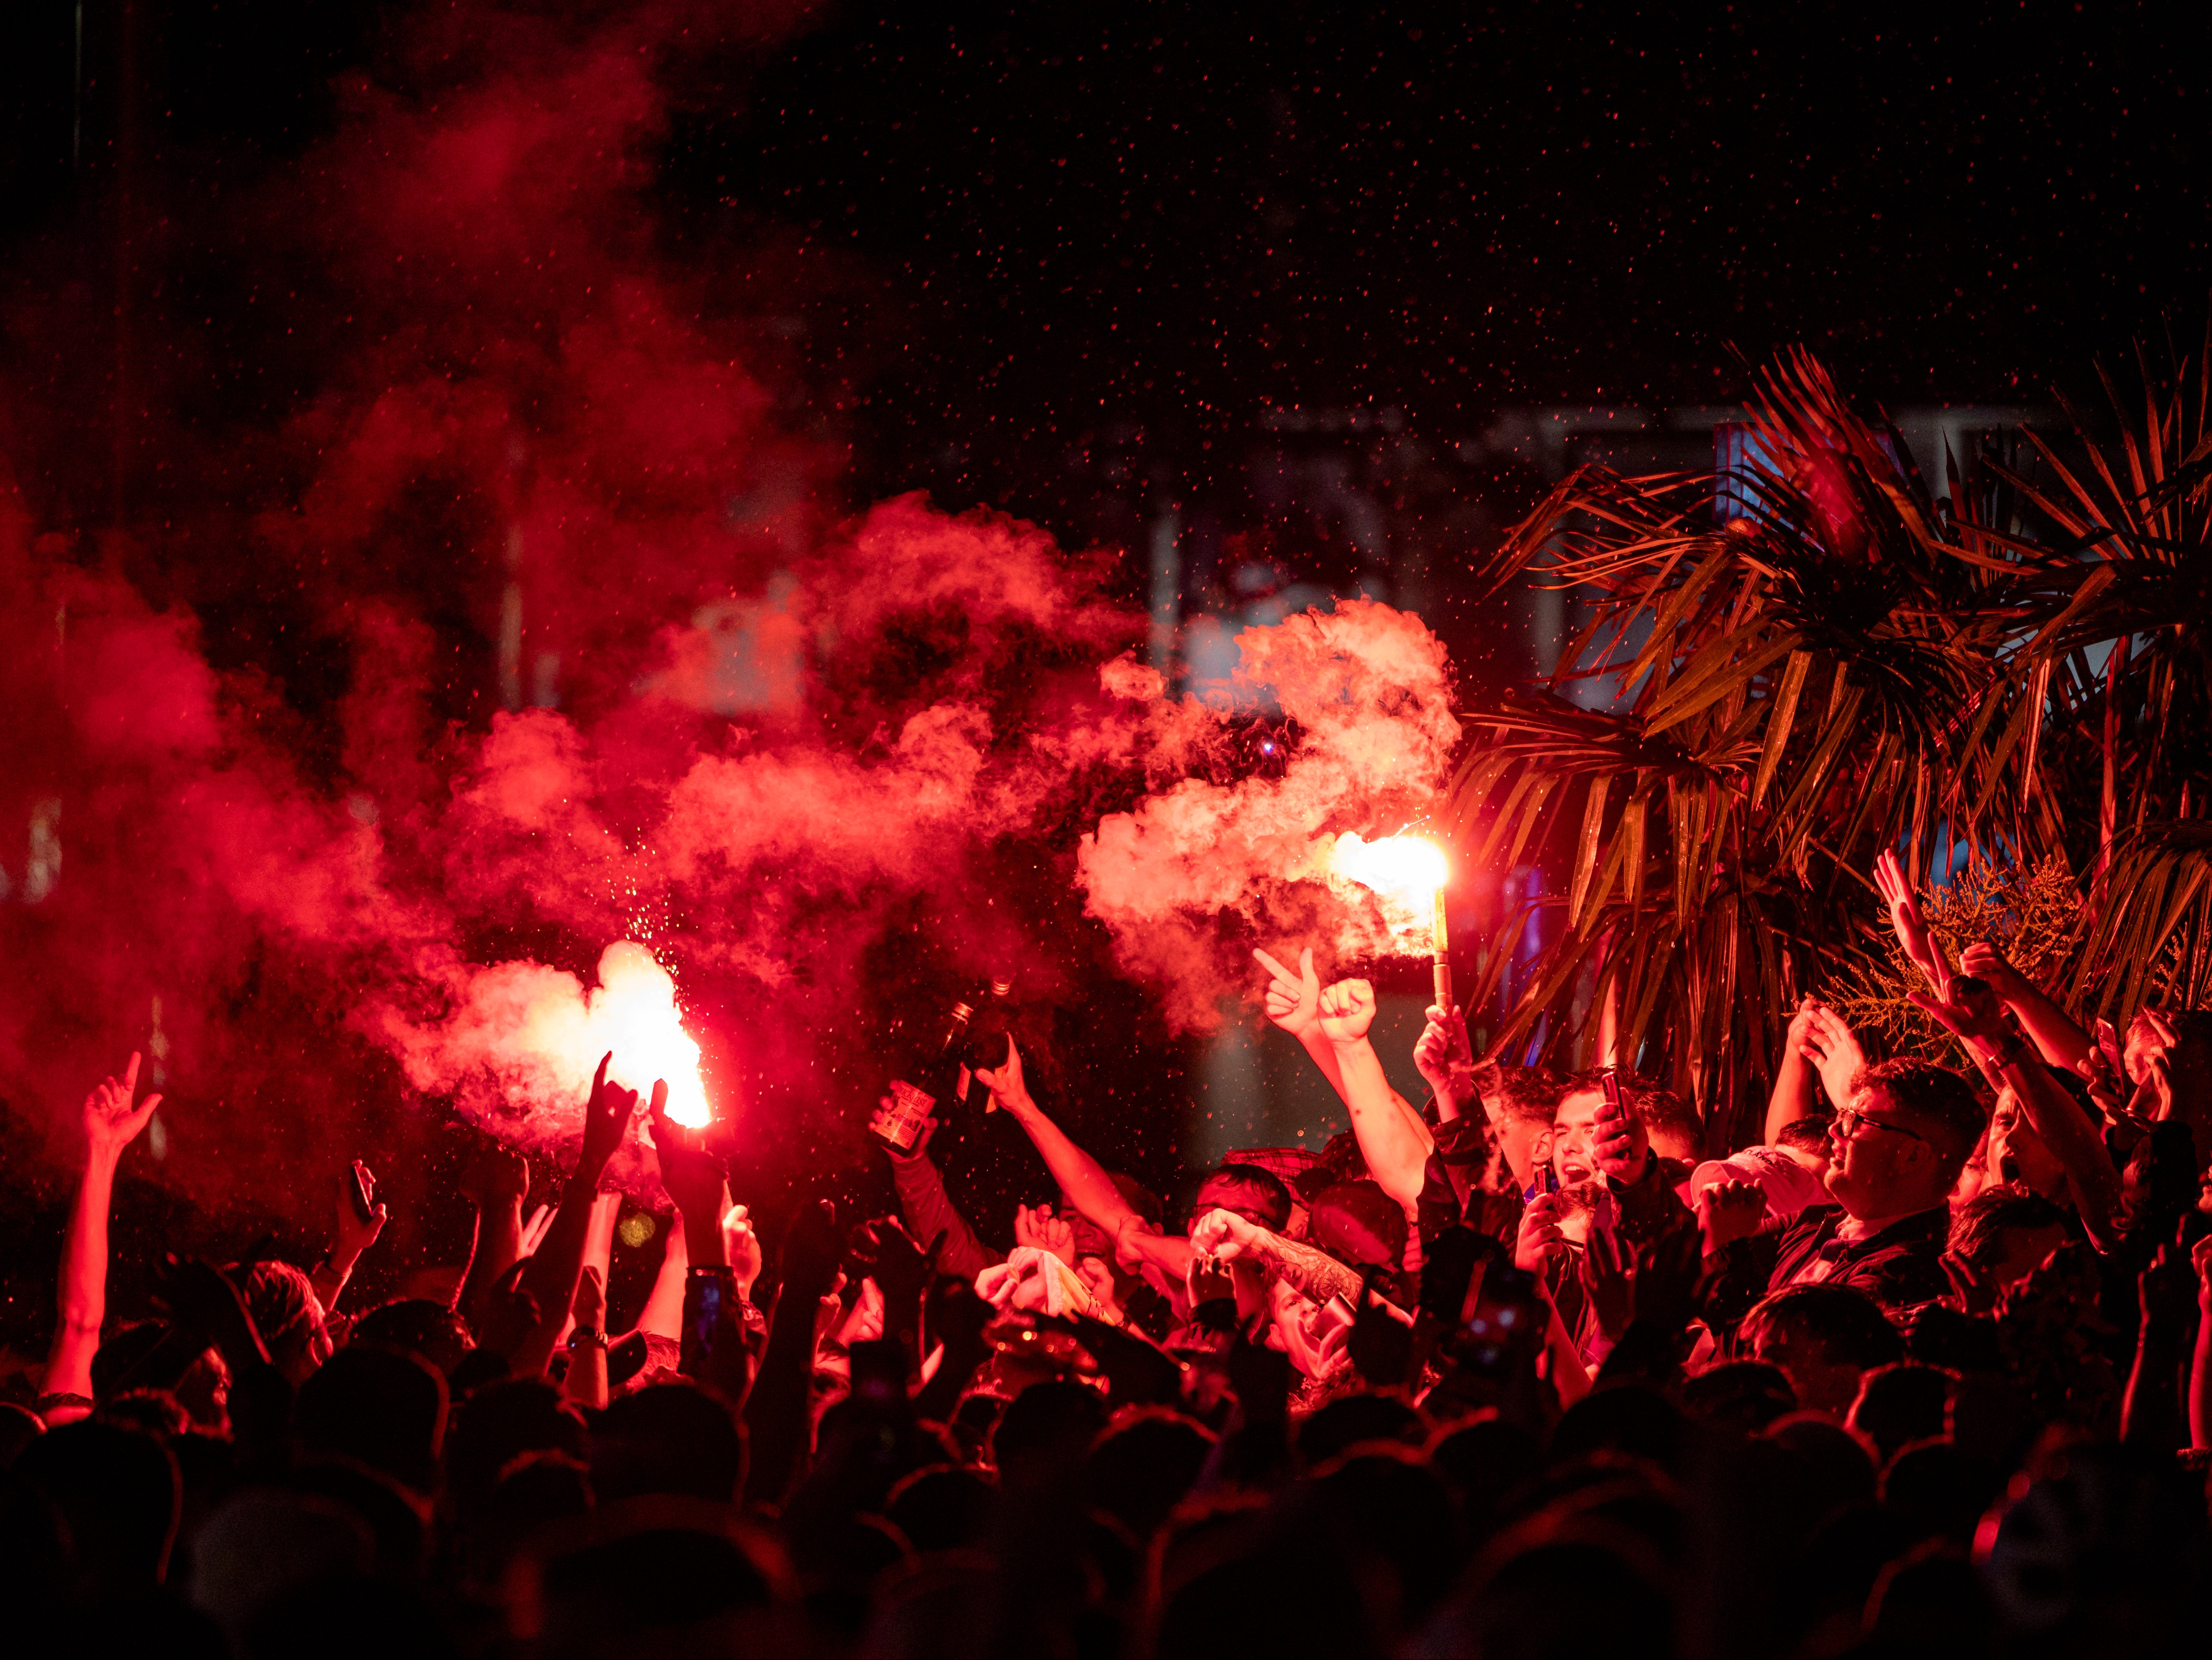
1337, 1312
1508, 1322
2108, 1045
361, 1187
1542, 1181
1609, 1081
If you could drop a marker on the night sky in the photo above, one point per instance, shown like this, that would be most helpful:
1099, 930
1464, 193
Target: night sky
991, 232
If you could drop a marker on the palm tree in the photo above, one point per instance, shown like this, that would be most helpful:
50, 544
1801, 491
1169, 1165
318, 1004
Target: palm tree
1816, 660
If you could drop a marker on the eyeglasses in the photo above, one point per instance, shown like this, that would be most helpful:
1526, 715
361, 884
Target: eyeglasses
1847, 1123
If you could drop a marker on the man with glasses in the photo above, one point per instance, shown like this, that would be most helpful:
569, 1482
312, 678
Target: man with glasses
1895, 1151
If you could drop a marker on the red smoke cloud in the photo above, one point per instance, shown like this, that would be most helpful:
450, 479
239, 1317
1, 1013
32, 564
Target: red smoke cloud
251, 780
1191, 871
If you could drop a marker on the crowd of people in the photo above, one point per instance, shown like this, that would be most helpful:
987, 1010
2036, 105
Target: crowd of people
1531, 1369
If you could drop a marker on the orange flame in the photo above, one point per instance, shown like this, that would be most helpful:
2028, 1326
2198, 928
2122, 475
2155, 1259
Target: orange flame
634, 1013
1405, 873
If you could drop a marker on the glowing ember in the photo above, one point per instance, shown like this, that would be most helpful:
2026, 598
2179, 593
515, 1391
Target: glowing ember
633, 1011
1405, 873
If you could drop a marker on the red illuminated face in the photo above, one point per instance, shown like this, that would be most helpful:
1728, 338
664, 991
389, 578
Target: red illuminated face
1573, 1130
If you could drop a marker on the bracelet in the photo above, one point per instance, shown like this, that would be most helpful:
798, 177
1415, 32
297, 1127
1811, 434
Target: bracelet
2007, 1052
579, 1338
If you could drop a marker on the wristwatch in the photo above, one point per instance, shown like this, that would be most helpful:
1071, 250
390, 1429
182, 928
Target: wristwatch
579, 1338
2007, 1049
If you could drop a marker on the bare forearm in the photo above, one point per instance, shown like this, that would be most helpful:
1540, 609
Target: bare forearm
1395, 1145
498, 1245
598, 1248
2067, 1131
1311, 1273
1081, 1177
551, 1277
586, 1383
2151, 1415
1792, 1098
82, 1302
663, 1314
1315, 1042
2200, 1383
2056, 1035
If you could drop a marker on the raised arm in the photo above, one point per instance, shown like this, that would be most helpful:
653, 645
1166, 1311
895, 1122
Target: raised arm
1445, 1059
1794, 1095
1969, 1011
1905, 921
497, 1182
550, 1277
1294, 1003
110, 1124
1395, 1144
1228, 1238
350, 1235
2200, 1369
928, 1209
2056, 1035
1081, 1177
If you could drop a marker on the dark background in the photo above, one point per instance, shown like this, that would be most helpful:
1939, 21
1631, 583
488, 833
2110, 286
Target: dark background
1057, 228
1096, 267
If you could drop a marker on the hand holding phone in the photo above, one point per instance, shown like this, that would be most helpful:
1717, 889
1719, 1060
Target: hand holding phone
360, 1189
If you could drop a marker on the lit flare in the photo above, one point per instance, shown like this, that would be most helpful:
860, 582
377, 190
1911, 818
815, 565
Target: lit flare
633, 1011
1407, 873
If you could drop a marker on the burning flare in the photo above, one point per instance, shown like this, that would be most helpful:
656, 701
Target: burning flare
633, 1011
1405, 873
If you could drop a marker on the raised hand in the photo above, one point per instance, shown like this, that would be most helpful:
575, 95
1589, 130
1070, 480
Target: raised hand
590, 1303
902, 1270
1539, 1239
1967, 1008
1347, 1009
1985, 962
1224, 1235
880, 1123
1905, 918
1293, 999
534, 1230
1443, 1055
1613, 1144
350, 1236
695, 1179
741, 1248
1046, 1231
2156, 1052
1794, 1035
692, 1177
111, 1122
1730, 1211
606, 1118
1833, 1048
1005, 1082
